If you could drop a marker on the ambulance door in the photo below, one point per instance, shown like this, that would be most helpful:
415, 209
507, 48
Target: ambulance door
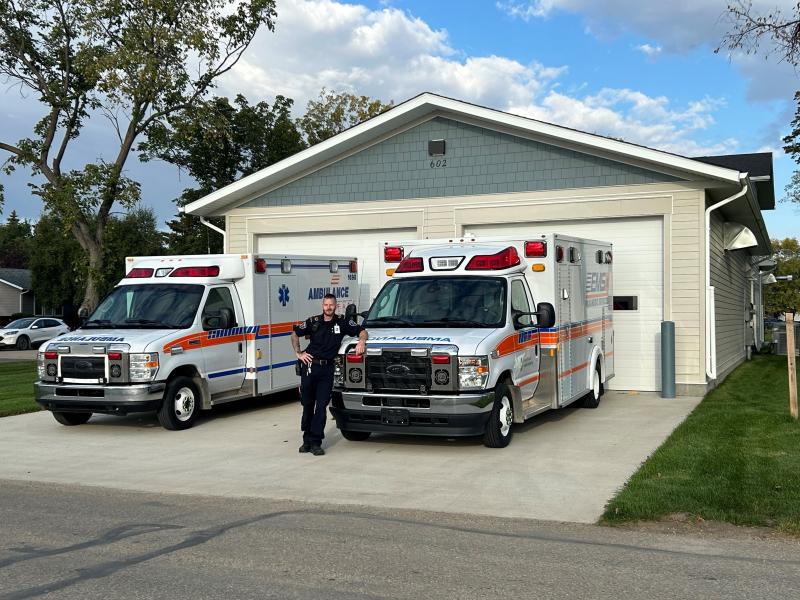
564, 316
284, 296
526, 359
224, 350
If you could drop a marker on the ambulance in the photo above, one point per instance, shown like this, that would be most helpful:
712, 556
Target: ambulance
180, 334
468, 337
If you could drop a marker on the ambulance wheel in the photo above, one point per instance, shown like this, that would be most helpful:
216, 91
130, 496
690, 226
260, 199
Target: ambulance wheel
180, 405
72, 418
23, 343
499, 429
592, 399
355, 436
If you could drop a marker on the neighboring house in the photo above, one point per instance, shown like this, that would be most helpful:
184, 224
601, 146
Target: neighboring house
687, 232
16, 295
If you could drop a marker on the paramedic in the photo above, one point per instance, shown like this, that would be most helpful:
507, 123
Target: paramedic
316, 383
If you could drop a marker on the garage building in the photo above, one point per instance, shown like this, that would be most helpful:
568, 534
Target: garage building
688, 233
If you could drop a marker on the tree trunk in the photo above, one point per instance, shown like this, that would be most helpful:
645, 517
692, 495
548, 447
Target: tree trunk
94, 252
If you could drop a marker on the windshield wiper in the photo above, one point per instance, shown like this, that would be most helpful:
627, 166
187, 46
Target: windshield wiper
150, 323
394, 320
455, 322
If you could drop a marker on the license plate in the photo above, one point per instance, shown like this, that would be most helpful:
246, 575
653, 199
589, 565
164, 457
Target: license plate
394, 416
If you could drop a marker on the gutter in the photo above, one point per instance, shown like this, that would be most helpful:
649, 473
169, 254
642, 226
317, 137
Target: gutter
210, 226
711, 326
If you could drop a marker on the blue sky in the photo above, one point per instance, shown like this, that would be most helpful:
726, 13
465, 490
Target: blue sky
642, 71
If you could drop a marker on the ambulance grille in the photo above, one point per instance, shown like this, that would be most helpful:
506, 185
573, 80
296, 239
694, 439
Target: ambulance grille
83, 367
399, 371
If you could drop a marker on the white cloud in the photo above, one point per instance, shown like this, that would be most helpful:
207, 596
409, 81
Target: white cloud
649, 51
389, 54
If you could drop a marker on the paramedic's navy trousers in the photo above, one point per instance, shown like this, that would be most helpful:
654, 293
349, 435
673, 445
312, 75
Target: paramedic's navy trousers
315, 395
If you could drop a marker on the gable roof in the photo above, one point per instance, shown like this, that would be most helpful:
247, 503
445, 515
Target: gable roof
18, 278
757, 165
427, 106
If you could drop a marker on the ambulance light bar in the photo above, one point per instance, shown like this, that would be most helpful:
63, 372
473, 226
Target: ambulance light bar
536, 249
393, 254
410, 264
504, 259
446, 263
139, 272
212, 271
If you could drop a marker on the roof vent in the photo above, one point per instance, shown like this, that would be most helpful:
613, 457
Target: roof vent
435, 147
737, 236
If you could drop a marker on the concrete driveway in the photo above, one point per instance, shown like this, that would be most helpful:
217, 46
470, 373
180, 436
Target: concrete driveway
561, 466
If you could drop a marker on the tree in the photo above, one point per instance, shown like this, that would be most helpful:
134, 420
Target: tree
15, 242
217, 142
134, 63
784, 294
58, 264
750, 31
334, 112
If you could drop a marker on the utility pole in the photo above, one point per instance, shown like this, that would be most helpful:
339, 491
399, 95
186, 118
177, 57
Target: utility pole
790, 356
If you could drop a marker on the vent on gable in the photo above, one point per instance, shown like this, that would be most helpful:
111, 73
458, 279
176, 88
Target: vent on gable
435, 147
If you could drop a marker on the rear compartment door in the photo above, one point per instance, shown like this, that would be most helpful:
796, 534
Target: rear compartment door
284, 297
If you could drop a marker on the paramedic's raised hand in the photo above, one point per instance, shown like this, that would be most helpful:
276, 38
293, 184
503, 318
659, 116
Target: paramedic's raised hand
304, 357
360, 347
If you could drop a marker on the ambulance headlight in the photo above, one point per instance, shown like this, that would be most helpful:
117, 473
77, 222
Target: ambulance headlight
473, 371
143, 367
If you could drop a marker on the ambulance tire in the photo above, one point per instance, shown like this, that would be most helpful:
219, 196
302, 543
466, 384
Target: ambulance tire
592, 399
180, 405
499, 428
355, 436
72, 418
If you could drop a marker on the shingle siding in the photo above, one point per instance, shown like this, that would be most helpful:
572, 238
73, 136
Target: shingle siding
478, 161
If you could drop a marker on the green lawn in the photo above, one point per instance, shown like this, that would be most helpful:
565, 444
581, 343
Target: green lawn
16, 388
736, 458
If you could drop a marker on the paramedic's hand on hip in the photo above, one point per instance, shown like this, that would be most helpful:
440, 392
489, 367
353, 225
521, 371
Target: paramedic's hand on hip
360, 347
305, 357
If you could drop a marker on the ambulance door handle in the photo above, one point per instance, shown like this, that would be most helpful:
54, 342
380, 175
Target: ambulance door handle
240, 347
591, 339
536, 350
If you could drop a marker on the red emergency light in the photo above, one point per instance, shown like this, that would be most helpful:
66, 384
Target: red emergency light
536, 249
354, 266
139, 272
410, 264
114, 356
51, 355
261, 265
393, 254
494, 262
440, 359
355, 358
212, 271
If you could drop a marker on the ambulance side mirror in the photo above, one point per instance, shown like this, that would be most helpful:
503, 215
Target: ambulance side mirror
83, 314
350, 312
545, 315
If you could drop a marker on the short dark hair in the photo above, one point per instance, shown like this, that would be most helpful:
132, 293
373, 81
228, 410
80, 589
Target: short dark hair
331, 296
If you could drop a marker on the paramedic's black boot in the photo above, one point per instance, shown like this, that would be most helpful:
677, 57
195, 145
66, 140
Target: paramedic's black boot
304, 448
317, 450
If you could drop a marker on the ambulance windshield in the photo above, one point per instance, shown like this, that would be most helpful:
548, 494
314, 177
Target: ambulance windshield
440, 302
151, 306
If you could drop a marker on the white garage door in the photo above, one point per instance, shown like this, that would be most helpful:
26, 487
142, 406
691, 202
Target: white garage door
638, 271
363, 244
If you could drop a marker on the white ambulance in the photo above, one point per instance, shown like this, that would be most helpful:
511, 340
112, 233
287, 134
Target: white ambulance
183, 333
470, 336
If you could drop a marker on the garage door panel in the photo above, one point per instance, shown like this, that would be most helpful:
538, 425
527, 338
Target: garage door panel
363, 244
638, 271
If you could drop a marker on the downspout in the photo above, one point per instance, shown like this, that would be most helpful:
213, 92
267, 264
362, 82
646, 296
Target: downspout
217, 229
711, 326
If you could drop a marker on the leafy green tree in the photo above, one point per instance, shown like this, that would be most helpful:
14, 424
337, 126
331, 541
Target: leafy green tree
784, 294
134, 63
15, 242
218, 142
135, 234
334, 112
58, 264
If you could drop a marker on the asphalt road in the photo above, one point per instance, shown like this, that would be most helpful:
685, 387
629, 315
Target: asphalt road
78, 542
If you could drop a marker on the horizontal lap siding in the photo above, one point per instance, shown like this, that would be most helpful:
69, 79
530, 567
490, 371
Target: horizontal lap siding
729, 272
687, 285
9, 300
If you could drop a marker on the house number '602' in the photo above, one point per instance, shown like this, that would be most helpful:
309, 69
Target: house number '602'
442, 162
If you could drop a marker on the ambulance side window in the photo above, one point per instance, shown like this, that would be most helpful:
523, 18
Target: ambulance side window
219, 303
519, 304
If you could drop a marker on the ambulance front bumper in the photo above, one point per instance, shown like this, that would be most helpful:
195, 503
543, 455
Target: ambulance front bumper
453, 415
116, 400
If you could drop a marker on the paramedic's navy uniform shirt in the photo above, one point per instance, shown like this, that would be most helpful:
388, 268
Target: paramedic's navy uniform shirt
324, 342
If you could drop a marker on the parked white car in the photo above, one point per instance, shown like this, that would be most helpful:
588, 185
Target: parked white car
31, 331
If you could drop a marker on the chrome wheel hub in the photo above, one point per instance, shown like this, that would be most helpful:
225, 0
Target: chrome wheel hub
506, 416
183, 404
